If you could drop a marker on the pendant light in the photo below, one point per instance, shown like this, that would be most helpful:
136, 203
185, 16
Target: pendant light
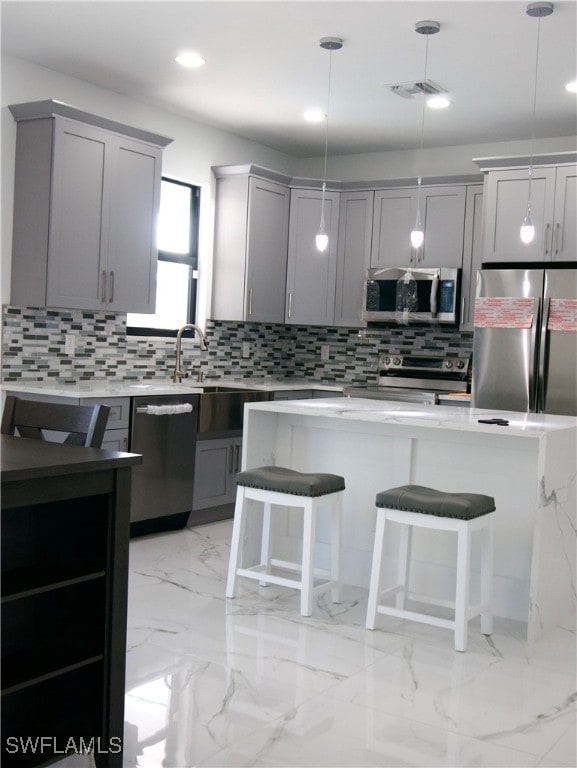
536, 10
422, 28
330, 44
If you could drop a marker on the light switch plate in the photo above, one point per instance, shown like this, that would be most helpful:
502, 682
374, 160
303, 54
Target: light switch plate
245, 349
325, 352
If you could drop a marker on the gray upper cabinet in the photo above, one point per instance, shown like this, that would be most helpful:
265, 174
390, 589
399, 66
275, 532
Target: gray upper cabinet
565, 224
394, 215
553, 212
311, 275
85, 205
472, 253
353, 255
250, 249
442, 215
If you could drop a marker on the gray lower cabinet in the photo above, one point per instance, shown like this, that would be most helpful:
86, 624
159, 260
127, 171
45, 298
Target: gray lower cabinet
86, 201
553, 213
353, 256
250, 249
216, 464
116, 434
311, 275
305, 394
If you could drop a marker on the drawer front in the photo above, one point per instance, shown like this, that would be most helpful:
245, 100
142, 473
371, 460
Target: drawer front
115, 440
119, 416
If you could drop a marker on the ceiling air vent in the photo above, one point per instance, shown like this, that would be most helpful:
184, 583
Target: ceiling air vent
411, 89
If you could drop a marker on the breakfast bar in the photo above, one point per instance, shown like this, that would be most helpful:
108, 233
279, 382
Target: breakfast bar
526, 461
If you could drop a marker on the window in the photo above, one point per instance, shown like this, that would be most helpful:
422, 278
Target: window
177, 242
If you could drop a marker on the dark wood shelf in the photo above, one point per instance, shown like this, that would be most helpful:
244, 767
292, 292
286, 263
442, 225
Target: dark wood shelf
21, 667
26, 582
65, 536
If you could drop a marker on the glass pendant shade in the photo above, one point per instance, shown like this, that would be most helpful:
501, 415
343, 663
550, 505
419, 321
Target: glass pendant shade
321, 239
527, 231
417, 235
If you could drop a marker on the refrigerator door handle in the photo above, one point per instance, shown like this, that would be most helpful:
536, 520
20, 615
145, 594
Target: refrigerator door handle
542, 356
533, 356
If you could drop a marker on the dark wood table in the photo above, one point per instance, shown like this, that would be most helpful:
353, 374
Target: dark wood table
65, 536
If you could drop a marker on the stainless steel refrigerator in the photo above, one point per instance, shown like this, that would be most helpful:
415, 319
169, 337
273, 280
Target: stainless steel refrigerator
525, 340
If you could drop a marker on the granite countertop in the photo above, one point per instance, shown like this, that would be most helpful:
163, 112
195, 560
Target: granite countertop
440, 417
114, 388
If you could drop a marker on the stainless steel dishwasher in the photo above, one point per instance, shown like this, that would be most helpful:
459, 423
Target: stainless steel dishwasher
163, 430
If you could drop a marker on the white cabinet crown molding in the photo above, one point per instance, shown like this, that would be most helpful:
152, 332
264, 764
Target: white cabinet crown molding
35, 110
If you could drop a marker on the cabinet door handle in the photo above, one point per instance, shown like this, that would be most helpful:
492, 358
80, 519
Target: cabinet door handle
558, 242
463, 305
103, 287
546, 239
230, 460
249, 302
237, 457
111, 296
290, 306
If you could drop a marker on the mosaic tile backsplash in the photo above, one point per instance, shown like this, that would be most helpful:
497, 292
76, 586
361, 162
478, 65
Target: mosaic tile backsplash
33, 349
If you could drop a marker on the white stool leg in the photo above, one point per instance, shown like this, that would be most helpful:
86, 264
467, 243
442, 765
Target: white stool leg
266, 539
236, 542
336, 547
405, 542
376, 569
308, 556
487, 578
462, 596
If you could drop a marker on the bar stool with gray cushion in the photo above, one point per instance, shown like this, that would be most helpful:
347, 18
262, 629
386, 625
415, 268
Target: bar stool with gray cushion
279, 486
463, 513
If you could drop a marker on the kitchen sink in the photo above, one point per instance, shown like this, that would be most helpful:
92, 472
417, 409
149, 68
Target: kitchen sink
221, 408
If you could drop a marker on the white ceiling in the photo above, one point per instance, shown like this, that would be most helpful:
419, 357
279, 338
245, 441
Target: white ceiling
265, 66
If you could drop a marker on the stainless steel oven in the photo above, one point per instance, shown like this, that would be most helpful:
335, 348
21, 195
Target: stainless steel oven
416, 378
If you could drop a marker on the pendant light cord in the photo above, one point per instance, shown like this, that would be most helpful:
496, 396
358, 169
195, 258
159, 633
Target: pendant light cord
420, 160
532, 148
326, 138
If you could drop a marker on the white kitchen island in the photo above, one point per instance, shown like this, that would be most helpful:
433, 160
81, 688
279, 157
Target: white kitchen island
529, 467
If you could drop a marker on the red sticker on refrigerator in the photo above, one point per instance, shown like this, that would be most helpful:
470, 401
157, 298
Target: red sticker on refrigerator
562, 315
504, 312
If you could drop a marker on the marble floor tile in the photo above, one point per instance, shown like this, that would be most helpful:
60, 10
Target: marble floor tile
250, 682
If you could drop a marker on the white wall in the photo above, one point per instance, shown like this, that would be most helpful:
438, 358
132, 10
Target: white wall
439, 161
196, 147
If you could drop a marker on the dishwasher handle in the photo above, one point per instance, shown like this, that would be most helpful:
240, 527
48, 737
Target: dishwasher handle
164, 410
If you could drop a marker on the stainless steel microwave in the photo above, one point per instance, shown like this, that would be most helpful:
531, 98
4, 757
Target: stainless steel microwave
406, 295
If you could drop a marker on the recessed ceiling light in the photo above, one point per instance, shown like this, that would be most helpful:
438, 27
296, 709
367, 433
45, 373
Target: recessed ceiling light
571, 87
314, 115
438, 102
190, 59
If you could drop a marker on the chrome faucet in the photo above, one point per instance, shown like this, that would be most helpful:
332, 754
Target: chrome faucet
178, 373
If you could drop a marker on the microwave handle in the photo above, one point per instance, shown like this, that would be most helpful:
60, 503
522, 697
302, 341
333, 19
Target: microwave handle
434, 288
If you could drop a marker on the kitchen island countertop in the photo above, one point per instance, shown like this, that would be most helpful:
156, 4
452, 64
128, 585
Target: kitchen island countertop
528, 466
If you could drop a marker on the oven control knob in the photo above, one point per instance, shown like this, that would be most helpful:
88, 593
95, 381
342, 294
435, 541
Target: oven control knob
387, 360
460, 364
448, 364
396, 361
